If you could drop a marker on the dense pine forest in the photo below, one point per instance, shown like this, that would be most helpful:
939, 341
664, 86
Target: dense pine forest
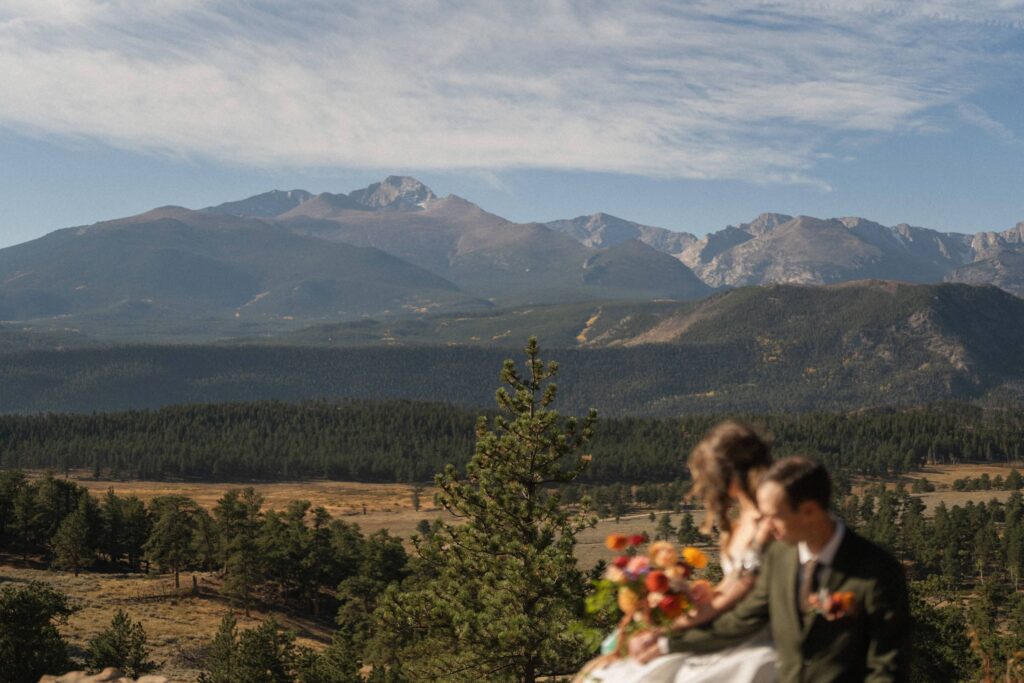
405, 441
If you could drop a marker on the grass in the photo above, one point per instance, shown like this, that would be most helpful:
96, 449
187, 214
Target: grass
177, 626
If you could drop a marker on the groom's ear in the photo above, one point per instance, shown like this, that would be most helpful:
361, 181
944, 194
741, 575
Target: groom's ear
808, 508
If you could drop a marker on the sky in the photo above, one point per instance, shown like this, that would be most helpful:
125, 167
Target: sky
684, 115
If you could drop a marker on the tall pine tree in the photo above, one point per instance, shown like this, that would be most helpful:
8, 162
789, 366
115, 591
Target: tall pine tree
495, 597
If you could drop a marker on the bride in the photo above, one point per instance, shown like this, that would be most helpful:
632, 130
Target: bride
726, 467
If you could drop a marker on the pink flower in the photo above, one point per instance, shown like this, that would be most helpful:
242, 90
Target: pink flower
638, 565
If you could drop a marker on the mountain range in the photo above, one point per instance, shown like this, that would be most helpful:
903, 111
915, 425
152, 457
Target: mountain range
283, 260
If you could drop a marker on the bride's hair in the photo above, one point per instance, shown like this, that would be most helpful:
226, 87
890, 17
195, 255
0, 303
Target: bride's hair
731, 452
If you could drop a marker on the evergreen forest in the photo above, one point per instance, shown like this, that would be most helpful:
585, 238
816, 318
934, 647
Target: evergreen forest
407, 441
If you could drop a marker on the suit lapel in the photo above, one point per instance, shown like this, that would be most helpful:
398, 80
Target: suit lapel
788, 575
837, 574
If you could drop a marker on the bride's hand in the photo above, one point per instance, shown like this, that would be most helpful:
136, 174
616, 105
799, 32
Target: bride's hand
696, 616
640, 642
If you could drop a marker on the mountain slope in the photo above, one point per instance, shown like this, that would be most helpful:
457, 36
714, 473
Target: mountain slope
602, 230
173, 263
777, 348
486, 254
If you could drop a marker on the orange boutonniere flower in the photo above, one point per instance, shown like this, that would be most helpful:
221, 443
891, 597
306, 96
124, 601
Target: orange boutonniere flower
833, 606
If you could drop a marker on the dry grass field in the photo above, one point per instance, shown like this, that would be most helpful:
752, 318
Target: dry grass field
338, 497
945, 475
176, 626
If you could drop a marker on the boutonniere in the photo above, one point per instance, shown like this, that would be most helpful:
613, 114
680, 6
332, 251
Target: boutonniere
833, 606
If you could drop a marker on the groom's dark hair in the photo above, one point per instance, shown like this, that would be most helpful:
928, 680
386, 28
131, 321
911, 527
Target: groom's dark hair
802, 479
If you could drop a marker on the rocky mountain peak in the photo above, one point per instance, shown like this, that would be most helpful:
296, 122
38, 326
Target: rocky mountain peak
766, 222
1015, 235
400, 193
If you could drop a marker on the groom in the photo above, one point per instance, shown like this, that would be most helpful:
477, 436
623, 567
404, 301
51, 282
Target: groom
836, 603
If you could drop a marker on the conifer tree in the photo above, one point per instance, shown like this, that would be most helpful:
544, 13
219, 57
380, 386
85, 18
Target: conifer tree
688, 532
240, 518
495, 597
112, 534
136, 524
30, 644
71, 544
170, 542
123, 646
222, 665
664, 530
263, 654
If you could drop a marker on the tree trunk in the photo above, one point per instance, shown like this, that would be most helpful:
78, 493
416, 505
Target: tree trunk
177, 584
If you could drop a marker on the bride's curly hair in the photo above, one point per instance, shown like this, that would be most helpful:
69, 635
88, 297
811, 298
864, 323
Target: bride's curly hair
731, 452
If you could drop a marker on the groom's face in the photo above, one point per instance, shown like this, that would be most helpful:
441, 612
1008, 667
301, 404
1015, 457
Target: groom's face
788, 525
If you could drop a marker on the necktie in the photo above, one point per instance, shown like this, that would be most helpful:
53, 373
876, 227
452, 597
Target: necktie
808, 584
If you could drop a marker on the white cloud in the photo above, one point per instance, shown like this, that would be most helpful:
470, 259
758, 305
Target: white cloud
743, 89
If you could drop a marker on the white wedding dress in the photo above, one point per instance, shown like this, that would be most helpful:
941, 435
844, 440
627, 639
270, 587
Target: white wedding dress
750, 662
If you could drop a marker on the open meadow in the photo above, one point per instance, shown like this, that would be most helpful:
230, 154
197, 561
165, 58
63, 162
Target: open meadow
177, 625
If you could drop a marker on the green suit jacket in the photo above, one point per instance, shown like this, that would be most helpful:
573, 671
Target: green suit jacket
869, 644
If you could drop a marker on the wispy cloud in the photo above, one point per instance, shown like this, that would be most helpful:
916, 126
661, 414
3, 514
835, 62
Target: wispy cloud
752, 90
978, 117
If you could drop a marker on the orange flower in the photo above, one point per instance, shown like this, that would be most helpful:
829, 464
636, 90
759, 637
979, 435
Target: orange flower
628, 600
845, 600
616, 542
663, 554
695, 558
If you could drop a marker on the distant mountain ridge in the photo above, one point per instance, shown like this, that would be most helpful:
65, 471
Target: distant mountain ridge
778, 248
281, 260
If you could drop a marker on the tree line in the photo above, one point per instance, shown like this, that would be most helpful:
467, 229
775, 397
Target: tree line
299, 556
408, 441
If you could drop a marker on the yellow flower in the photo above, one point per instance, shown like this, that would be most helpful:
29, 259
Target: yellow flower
695, 558
663, 554
628, 600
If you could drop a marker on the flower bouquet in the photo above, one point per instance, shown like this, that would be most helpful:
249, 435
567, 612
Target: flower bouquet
649, 589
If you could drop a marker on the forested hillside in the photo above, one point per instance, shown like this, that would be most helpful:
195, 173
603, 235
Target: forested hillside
405, 441
759, 349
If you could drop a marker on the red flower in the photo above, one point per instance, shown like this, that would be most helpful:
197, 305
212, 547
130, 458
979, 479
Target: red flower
637, 539
657, 582
671, 606
621, 561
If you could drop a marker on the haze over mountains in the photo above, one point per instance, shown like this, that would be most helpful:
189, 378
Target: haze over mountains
285, 259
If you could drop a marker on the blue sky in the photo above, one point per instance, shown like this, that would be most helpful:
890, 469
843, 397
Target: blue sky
687, 115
